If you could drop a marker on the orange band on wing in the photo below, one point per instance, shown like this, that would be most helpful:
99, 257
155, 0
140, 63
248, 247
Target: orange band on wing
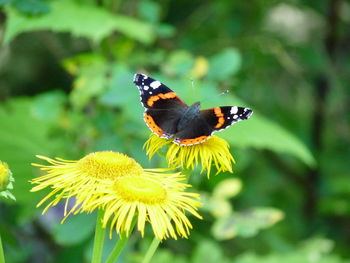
153, 99
220, 115
152, 125
193, 141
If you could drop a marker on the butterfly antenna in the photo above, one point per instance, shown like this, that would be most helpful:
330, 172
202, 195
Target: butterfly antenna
207, 98
224, 92
193, 87
192, 84
215, 96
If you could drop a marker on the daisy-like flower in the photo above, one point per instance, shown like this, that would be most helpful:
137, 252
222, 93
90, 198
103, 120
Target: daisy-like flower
214, 151
159, 199
81, 178
119, 185
6, 181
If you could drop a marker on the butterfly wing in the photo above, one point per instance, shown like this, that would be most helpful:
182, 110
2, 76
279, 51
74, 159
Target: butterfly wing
163, 108
197, 132
220, 118
210, 121
156, 95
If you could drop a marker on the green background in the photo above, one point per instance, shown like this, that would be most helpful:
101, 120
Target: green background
66, 70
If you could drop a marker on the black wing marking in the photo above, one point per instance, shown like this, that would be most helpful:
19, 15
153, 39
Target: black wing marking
197, 132
220, 118
167, 120
156, 95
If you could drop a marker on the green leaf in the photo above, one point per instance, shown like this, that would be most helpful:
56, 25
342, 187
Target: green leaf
149, 10
219, 208
224, 64
179, 62
247, 223
80, 20
166, 31
312, 251
122, 93
75, 229
32, 7
91, 77
207, 251
4, 2
49, 106
227, 188
22, 136
262, 133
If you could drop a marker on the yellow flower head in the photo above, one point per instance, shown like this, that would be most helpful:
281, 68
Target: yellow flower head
156, 198
214, 151
119, 185
81, 178
6, 180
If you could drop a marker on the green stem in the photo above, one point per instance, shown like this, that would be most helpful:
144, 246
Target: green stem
117, 249
99, 239
155, 243
151, 250
123, 238
2, 257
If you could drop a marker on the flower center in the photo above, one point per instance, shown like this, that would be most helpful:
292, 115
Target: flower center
108, 165
140, 189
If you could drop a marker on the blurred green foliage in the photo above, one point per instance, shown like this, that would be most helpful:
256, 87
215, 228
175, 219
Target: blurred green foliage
66, 70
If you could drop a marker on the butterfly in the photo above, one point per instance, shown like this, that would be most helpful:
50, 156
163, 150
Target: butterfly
169, 117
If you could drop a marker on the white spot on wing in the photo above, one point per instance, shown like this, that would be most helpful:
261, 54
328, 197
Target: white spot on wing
145, 87
155, 84
234, 110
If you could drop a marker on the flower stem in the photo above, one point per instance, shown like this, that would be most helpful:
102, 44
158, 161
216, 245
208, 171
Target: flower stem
2, 257
155, 243
151, 250
117, 249
123, 238
99, 239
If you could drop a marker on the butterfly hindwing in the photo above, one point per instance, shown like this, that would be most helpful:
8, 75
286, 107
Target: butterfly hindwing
198, 132
210, 121
162, 122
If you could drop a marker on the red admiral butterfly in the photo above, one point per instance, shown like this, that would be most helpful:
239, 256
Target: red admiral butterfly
168, 116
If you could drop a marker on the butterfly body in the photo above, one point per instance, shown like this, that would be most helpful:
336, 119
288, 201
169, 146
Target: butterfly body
190, 114
168, 116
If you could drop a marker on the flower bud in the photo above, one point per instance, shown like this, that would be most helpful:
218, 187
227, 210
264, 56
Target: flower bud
5, 175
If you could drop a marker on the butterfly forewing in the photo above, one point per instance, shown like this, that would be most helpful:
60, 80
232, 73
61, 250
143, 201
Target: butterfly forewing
220, 118
155, 94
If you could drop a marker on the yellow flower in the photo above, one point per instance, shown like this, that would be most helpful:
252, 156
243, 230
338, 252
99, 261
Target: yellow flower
81, 178
159, 199
6, 181
119, 185
214, 151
